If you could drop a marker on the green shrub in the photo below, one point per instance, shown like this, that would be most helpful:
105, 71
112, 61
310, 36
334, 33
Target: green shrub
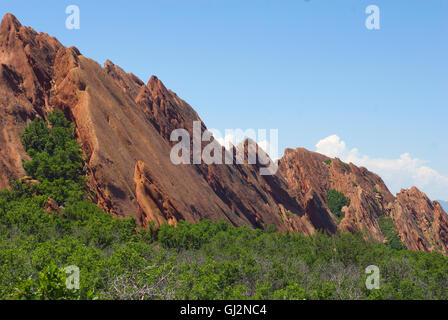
390, 232
56, 158
50, 285
336, 201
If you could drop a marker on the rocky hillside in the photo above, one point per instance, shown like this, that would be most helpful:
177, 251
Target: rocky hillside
124, 125
421, 224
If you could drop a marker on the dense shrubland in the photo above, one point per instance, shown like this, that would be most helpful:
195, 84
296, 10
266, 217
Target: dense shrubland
207, 260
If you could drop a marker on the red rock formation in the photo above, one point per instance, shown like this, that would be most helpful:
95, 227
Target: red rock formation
153, 202
25, 57
310, 178
124, 127
422, 224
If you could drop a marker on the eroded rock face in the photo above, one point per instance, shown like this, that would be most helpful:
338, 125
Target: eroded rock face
311, 175
247, 197
124, 127
421, 223
26, 59
153, 202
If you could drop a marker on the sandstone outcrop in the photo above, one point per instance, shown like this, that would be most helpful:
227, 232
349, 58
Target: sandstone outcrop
123, 127
422, 224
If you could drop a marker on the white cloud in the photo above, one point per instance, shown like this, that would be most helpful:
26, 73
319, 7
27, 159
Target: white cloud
403, 172
331, 146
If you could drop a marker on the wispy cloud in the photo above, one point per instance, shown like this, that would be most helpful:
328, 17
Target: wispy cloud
402, 172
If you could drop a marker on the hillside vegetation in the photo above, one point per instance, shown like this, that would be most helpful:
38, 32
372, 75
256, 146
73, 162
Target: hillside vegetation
207, 260
336, 201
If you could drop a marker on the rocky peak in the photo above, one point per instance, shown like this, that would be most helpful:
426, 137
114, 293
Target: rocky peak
128, 82
414, 194
9, 23
157, 87
421, 223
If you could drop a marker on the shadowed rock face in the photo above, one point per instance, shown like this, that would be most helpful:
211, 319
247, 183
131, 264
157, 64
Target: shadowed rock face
311, 175
124, 128
422, 224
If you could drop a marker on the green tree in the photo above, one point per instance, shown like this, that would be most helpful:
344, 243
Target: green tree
336, 201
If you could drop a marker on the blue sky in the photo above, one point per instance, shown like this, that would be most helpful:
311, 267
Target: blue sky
309, 68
